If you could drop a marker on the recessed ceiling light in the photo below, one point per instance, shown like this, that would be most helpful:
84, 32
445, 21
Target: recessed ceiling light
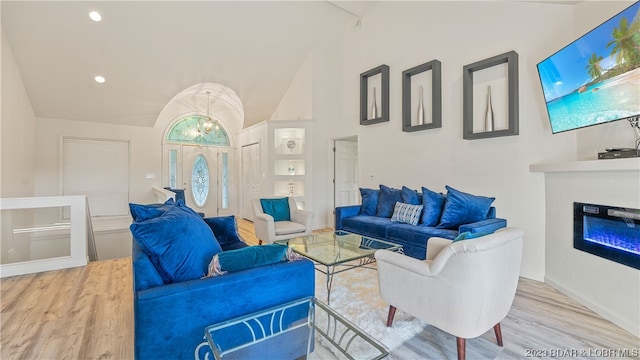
95, 16
100, 79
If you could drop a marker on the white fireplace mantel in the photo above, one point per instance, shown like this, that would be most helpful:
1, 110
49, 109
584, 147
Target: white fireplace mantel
627, 164
609, 288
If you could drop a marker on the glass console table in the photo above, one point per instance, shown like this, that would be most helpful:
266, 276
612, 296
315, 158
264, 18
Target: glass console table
302, 328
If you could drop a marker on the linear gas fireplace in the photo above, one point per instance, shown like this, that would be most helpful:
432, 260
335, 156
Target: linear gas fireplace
607, 231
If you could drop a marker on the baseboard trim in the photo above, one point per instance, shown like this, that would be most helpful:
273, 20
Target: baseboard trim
626, 324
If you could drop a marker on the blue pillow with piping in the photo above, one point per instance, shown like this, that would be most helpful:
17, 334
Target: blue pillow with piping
433, 203
387, 200
369, 201
225, 229
463, 208
178, 242
277, 208
140, 212
467, 235
410, 196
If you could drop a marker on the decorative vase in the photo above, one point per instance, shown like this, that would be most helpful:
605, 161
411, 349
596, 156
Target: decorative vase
291, 170
374, 106
291, 187
420, 107
488, 117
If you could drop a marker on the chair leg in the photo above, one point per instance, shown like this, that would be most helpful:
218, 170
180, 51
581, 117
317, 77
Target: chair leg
461, 342
498, 332
392, 313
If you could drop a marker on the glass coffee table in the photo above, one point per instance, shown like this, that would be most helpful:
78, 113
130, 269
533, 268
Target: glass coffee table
305, 328
336, 251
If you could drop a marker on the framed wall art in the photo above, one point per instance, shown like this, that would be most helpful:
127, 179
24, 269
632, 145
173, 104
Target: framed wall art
490, 97
374, 95
422, 97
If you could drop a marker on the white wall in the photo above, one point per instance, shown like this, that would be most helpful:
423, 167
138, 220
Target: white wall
316, 93
296, 102
145, 147
403, 35
17, 122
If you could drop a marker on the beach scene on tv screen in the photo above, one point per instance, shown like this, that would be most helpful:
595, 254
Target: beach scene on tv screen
595, 79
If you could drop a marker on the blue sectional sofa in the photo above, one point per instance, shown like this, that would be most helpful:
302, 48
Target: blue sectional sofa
409, 218
173, 298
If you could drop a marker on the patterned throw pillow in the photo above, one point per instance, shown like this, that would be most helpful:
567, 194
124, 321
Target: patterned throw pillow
407, 213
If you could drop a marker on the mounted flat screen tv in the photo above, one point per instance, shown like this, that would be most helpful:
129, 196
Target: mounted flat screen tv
596, 78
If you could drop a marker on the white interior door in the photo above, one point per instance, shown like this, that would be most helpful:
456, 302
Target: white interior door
250, 178
200, 178
346, 173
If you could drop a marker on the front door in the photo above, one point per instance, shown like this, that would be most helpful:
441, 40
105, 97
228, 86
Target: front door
200, 178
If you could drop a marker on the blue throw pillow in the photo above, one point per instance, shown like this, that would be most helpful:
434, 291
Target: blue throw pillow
467, 235
277, 208
387, 200
433, 204
179, 244
140, 212
369, 201
407, 213
252, 256
225, 230
410, 196
463, 208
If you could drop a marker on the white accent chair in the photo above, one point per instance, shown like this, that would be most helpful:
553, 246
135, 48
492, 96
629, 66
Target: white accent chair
464, 288
268, 230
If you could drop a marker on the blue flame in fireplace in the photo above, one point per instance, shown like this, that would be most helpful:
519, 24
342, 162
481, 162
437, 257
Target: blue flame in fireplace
622, 235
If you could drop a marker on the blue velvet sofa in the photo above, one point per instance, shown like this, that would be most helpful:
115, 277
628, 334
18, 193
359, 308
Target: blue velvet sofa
409, 218
174, 300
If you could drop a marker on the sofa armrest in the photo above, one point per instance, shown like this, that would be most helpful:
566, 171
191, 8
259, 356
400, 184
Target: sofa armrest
264, 226
345, 212
170, 320
484, 226
302, 217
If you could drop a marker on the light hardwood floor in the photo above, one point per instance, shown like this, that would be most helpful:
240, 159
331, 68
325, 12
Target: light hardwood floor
87, 313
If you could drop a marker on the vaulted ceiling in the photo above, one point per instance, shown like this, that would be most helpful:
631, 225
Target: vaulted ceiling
149, 51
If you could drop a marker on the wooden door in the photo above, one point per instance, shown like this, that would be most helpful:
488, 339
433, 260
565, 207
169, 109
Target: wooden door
346, 173
250, 178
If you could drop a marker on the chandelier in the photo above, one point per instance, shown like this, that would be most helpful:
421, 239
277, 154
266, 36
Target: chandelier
208, 124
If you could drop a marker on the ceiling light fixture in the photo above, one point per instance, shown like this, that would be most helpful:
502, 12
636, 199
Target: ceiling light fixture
100, 79
208, 123
95, 16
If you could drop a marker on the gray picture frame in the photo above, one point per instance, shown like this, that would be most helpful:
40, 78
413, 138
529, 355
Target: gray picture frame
435, 66
511, 58
365, 95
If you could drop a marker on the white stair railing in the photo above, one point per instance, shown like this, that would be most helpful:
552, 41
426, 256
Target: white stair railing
43, 233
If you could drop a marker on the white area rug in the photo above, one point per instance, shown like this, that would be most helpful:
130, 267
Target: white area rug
355, 296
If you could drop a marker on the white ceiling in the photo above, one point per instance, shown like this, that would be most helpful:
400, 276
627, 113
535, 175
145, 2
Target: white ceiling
149, 51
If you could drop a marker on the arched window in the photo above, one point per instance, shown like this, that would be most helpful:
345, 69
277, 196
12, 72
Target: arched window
190, 130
